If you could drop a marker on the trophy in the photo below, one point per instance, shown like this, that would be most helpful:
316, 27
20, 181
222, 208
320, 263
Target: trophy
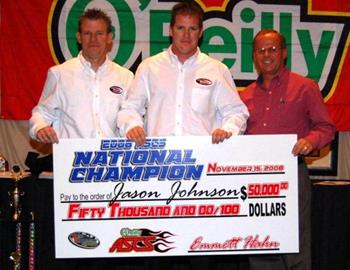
15, 204
4, 165
16, 258
16, 194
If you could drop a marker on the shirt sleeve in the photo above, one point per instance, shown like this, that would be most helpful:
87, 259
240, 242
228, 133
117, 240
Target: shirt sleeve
134, 106
322, 129
44, 113
232, 110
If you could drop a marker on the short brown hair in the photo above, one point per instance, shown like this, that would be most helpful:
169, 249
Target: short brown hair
267, 31
188, 8
95, 14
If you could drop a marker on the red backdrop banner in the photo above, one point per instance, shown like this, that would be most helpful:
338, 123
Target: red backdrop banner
38, 34
25, 55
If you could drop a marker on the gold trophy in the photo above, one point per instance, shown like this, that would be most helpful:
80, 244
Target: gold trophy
15, 196
16, 258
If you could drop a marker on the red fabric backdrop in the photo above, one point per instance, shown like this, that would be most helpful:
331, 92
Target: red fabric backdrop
25, 56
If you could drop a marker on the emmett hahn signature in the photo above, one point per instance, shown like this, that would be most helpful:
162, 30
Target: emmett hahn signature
177, 193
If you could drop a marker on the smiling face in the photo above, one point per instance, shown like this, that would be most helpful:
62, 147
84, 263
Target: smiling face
185, 34
95, 40
269, 56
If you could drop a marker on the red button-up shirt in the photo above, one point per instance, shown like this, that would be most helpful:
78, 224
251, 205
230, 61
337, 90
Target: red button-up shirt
292, 105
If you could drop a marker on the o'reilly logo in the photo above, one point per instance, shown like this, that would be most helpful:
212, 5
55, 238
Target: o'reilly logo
315, 44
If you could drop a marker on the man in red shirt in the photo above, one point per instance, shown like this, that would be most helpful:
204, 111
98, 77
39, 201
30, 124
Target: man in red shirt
283, 102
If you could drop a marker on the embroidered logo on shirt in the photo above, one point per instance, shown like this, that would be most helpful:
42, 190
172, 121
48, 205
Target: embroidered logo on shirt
116, 89
204, 81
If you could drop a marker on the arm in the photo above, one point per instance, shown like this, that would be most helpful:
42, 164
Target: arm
130, 118
232, 110
44, 114
322, 129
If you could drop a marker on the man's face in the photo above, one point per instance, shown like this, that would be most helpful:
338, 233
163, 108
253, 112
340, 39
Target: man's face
94, 39
185, 34
268, 55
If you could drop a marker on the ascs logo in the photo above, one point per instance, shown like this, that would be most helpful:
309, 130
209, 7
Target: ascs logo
141, 240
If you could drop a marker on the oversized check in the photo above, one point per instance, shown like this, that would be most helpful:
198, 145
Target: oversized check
175, 196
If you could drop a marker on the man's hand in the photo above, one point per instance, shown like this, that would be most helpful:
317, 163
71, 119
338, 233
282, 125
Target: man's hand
137, 135
47, 135
219, 135
302, 147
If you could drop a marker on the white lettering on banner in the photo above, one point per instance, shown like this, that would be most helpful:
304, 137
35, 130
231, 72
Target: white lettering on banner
244, 186
228, 35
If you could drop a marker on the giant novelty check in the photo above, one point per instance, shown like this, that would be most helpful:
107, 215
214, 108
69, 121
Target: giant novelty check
175, 196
